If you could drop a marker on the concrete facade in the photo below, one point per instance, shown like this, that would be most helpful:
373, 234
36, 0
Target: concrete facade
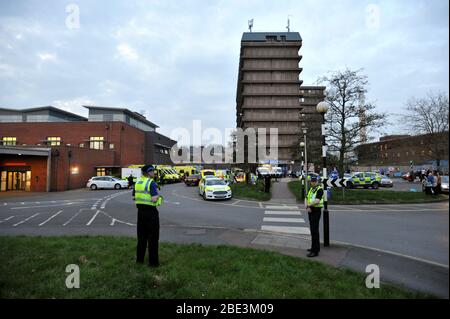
269, 91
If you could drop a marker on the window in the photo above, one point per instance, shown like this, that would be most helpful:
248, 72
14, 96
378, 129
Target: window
96, 142
283, 38
81, 145
54, 140
101, 171
9, 140
166, 151
161, 151
111, 146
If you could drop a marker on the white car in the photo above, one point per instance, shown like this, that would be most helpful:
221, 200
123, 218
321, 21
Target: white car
214, 188
97, 182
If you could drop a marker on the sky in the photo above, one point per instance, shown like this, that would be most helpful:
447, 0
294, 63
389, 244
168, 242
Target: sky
177, 61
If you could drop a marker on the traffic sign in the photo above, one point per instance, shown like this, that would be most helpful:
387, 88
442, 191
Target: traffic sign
336, 182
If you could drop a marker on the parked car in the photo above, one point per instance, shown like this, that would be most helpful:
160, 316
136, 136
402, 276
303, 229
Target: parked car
192, 180
444, 184
386, 182
97, 182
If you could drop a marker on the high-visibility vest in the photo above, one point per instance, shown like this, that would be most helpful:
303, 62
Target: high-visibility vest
142, 192
312, 193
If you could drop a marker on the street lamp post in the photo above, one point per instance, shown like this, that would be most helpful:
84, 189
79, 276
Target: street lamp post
322, 108
302, 145
306, 162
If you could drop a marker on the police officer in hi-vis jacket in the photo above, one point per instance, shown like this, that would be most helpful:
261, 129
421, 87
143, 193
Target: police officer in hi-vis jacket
145, 194
314, 204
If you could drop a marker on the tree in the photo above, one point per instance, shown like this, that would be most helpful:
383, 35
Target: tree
429, 116
350, 117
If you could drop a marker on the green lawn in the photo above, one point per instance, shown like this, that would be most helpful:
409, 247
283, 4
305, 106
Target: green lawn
249, 191
34, 267
370, 196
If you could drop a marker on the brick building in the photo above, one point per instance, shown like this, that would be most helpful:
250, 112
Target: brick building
269, 91
399, 150
47, 149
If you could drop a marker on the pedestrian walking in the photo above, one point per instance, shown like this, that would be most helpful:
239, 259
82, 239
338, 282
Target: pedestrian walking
130, 181
314, 204
145, 194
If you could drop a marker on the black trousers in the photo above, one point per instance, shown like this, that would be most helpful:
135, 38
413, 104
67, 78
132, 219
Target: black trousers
314, 222
147, 234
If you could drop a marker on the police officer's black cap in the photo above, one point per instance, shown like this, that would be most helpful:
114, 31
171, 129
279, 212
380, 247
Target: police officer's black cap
147, 168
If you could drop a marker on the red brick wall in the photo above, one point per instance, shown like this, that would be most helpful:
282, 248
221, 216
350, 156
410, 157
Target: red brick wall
85, 159
128, 141
38, 169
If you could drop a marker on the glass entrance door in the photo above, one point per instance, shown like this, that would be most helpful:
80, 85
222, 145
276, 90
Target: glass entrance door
16, 181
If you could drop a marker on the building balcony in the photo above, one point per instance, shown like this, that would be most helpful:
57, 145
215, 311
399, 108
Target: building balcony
272, 69
299, 82
268, 57
278, 107
271, 94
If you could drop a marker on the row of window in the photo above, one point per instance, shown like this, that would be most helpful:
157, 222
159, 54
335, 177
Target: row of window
386, 155
95, 142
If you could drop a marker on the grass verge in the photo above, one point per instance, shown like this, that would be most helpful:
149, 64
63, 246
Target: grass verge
250, 191
369, 196
34, 267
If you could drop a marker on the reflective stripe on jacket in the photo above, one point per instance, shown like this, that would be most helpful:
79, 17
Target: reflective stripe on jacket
142, 192
312, 197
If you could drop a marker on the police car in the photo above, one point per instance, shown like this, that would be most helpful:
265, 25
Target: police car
364, 179
214, 188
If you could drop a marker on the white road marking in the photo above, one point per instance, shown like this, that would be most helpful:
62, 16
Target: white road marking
93, 217
282, 212
71, 218
260, 205
283, 220
50, 218
237, 201
25, 220
282, 207
71, 203
6, 219
286, 229
393, 253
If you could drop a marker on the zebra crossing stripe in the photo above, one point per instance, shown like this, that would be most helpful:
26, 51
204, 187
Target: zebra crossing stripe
282, 212
283, 220
281, 207
288, 230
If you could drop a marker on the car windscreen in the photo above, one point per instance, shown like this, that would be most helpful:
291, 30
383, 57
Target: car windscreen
212, 182
208, 173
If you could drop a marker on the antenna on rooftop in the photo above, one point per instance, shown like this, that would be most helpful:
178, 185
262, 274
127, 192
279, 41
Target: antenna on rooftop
288, 24
250, 25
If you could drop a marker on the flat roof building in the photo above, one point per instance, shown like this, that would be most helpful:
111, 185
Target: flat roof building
76, 147
269, 93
